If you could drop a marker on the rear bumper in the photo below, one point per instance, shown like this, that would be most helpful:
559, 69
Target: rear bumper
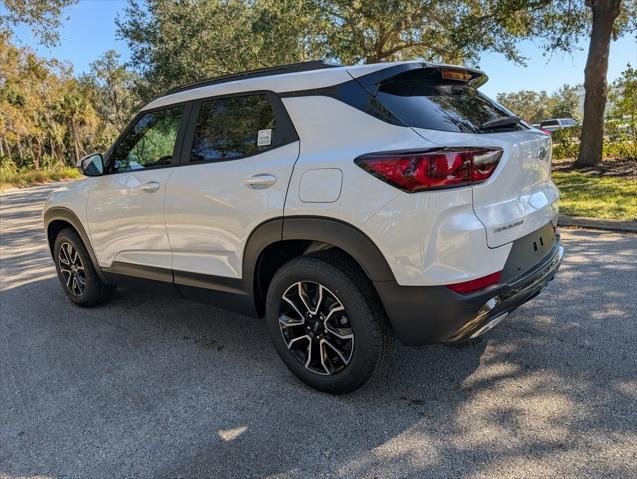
435, 314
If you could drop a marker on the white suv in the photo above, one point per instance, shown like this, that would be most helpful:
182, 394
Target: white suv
346, 204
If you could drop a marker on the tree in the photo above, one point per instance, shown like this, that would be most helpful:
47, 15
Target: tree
43, 16
454, 31
604, 14
111, 87
565, 102
48, 116
534, 107
177, 42
530, 105
622, 118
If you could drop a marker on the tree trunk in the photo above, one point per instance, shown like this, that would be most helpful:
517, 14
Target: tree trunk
52, 146
604, 14
76, 149
7, 148
38, 154
20, 155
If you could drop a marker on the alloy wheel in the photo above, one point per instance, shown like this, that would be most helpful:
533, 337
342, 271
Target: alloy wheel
72, 269
316, 328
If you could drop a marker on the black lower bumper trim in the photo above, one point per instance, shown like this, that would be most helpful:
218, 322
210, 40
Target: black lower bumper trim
511, 298
435, 314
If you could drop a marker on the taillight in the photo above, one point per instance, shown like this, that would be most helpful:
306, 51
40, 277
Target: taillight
546, 132
475, 284
432, 169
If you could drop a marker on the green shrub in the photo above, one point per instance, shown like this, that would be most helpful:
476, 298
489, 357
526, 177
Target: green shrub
566, 142
620, 149
10, 175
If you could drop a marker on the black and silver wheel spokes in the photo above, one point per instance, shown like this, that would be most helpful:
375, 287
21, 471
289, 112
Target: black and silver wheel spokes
72, 269
315, 327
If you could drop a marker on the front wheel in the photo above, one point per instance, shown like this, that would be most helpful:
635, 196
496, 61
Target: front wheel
327, 324
75, 269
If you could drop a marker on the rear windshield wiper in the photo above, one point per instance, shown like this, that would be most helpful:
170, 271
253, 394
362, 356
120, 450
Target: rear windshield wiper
504, 122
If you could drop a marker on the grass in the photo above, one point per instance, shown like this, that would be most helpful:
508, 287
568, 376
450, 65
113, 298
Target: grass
24, 178
609, 197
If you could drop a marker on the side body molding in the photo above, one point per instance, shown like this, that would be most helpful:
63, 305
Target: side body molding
59, 213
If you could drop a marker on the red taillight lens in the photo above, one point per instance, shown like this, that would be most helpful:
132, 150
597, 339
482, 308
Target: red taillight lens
432, 169
546, 132
475, 284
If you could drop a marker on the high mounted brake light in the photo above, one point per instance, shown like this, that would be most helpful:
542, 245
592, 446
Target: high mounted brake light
456, 75
432, 169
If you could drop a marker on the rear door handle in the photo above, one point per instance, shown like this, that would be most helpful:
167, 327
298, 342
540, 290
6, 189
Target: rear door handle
150, 187
259, 182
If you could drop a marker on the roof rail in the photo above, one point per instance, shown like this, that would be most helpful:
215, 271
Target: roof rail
260, 72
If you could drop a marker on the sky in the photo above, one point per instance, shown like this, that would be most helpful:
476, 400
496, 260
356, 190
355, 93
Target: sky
90, 30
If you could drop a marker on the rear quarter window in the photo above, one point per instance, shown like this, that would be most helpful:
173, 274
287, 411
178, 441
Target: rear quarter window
421, 99
232, 128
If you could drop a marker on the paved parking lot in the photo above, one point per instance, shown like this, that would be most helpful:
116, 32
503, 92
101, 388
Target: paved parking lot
148, 386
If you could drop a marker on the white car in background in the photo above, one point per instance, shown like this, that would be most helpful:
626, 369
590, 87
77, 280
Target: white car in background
555, 124
346, 204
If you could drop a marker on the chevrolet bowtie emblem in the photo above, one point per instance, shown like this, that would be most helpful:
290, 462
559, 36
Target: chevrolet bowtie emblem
541, 153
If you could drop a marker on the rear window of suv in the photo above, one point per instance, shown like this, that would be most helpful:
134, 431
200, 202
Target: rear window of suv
422, 99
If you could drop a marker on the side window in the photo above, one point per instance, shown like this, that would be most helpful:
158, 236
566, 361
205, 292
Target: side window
234, 127
150, 143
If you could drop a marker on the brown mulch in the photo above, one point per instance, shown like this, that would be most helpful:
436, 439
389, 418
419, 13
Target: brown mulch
622, 167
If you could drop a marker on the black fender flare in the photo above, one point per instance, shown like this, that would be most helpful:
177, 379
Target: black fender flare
316, 228
344, 236
60, 213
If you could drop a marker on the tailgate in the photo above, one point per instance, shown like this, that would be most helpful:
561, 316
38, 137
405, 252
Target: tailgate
520, 196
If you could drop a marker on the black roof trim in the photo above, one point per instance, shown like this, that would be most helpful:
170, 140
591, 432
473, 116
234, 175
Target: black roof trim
261, 72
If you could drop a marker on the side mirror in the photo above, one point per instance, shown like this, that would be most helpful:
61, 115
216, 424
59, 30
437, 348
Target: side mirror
91, 165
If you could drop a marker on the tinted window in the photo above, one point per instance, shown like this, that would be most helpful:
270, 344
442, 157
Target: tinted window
150, 143
551, 123
235, 127
422, 99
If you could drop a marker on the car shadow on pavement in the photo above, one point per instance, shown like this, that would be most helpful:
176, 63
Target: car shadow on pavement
155, 386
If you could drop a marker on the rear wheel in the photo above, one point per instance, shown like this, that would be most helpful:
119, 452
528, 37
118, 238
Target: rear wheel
76, 272
326, 323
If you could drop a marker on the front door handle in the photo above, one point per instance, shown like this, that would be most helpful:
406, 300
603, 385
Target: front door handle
259, 182
150, 187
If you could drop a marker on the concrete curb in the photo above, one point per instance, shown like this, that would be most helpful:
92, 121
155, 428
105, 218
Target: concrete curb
620, 226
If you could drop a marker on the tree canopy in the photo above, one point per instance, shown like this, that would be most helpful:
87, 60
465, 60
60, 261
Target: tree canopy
535, 107
177, 42
48, 116
42, 16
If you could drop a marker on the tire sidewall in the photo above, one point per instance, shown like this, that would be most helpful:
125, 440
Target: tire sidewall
367, 351
91, 291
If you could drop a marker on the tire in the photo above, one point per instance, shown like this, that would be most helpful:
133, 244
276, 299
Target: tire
76, 272
363, 318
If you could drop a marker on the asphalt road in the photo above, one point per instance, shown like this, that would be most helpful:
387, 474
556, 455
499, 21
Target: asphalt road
149, 386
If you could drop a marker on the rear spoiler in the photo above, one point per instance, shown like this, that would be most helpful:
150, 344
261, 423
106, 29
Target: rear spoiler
372, 81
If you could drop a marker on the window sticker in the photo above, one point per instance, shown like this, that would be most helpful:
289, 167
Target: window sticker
264, 137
